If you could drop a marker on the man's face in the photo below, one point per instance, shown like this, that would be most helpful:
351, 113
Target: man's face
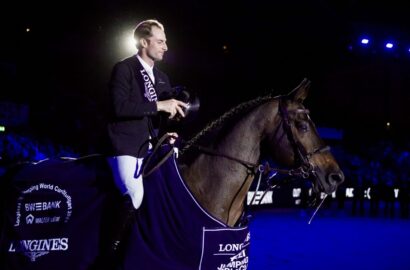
157, 44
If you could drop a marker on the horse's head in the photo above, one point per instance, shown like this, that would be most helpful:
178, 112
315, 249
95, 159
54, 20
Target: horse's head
295, 142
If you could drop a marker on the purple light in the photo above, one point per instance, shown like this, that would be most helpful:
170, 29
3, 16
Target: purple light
365, 41
389, 45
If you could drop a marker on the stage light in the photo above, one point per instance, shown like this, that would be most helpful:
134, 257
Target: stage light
2, 128
28, 29
129, 43
389, 45
365, 41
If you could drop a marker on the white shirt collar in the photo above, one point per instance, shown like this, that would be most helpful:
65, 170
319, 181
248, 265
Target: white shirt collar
148, 68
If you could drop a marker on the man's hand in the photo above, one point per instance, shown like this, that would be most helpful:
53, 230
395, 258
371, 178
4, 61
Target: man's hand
172, 137
172, 106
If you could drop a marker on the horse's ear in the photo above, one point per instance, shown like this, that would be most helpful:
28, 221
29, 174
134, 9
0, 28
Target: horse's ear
300, 92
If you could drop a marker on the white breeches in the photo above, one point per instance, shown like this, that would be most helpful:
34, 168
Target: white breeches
127, 176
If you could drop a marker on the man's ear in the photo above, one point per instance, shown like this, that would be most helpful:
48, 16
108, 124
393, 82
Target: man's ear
143, 43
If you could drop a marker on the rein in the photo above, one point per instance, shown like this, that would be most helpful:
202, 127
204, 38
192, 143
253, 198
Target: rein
301, 171
145, 173
305, 169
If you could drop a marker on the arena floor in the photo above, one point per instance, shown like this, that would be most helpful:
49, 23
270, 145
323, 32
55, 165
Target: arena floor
283, 239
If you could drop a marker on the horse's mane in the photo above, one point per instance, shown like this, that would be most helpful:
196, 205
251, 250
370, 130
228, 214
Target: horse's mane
229, 115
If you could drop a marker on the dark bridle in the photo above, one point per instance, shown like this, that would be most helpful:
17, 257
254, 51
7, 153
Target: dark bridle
304, 168
302, 157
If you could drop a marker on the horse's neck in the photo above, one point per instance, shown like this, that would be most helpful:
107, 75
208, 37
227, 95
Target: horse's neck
221, 184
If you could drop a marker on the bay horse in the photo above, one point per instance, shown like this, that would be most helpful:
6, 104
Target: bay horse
188, 203
220, 178
190, 217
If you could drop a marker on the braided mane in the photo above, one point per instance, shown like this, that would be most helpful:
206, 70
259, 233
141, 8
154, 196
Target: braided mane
241, 108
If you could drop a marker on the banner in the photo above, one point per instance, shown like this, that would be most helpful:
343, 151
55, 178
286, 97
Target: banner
53, 214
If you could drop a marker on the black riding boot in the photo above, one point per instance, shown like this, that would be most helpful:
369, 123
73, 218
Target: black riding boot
122, 218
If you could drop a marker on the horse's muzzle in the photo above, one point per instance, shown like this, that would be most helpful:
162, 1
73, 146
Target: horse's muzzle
335, 179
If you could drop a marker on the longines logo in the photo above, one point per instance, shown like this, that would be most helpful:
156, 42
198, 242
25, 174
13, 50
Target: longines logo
34, 248
150, 92
239, 260
58, 209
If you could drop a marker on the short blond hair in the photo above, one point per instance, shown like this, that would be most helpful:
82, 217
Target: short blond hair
144, 29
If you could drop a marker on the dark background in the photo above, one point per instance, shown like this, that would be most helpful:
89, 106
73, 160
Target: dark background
227, 52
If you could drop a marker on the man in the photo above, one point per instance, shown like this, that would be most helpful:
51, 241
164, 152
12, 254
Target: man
135, 88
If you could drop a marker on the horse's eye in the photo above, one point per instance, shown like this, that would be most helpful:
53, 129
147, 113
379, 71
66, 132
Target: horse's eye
302, 126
